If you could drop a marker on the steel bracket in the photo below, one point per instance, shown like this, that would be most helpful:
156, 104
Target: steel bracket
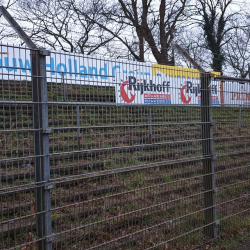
50, 238
49, 186
48, 130
44, 52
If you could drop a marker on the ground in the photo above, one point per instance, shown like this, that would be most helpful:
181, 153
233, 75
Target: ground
244, 246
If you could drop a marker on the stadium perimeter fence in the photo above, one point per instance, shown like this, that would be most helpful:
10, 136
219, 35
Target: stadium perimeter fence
102, 154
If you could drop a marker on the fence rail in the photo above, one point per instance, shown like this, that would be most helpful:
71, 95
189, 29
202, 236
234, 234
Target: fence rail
95, 155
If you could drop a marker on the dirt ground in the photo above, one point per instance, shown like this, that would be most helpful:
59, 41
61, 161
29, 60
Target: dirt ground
245, 246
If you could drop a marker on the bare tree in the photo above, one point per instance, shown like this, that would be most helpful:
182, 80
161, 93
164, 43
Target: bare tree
3, 24
8, 3
238, 52
55, 24
135, 30
148, 21
192, 40
215, 17
110, 20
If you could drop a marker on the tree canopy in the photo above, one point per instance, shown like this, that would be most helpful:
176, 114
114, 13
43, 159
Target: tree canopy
214, 32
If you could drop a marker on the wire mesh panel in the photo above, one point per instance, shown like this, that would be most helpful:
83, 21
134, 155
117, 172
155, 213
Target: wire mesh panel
128, 175
109, 154
17, 168
231, 137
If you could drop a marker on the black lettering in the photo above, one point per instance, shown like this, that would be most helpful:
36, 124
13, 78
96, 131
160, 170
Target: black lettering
166, 85
214, 89
132, 82
159, 87
195, 90
139, 86
189, 87
143, 86
152, 86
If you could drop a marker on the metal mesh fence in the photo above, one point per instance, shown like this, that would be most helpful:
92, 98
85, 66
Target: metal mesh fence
81, 169
231, 137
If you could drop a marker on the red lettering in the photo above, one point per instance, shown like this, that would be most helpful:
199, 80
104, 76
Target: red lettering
233, 95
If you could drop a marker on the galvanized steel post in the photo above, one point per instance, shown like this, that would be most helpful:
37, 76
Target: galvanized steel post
41, 136
150, 125
208, 154
41, 149
78, 127
240, 118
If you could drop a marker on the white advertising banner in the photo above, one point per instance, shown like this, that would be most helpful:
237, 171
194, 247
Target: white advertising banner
135, 83
166, 85
15, 64
236, 94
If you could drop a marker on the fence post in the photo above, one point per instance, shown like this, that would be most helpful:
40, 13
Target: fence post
150, 125
64, 90
41, 137
41, 149
240, 117
78, 127
208, 154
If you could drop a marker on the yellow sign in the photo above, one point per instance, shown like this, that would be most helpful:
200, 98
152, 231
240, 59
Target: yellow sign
177, 72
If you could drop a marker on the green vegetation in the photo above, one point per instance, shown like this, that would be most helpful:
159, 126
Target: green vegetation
94, 191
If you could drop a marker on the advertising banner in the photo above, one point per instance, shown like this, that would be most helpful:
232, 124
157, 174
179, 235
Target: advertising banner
236, 94
135, 83
165, 85
15, 64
